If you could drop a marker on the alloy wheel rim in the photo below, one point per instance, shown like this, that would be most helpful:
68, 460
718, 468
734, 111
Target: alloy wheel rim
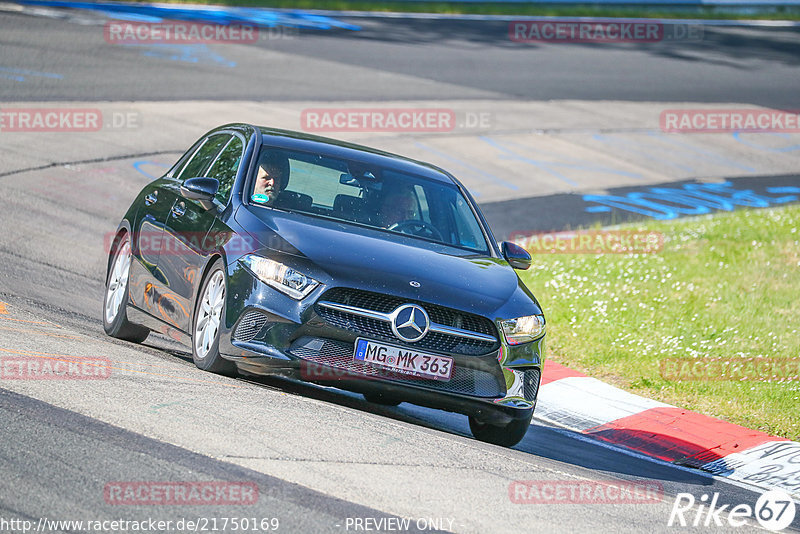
210, 314
118, 281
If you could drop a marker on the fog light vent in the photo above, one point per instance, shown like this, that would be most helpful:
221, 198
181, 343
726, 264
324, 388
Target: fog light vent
249, 326
531, 384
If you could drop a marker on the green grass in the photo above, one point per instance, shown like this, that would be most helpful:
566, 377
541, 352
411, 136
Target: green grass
502, 9
724, 286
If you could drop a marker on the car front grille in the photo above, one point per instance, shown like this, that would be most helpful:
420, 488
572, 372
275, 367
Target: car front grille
339, 355
437, 341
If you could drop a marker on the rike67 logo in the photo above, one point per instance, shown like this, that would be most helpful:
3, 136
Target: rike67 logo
774, 510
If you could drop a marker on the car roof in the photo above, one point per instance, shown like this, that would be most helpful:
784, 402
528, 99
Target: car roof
302, 141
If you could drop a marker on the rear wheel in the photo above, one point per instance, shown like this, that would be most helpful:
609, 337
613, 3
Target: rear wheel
379, 398
208, 314
504, 435
115, 317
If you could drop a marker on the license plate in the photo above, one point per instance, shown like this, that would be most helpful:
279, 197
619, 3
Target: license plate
405, 361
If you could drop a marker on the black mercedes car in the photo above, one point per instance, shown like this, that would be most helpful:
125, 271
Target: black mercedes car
275, 252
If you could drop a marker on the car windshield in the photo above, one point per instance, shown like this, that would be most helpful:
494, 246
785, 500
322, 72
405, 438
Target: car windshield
367, 195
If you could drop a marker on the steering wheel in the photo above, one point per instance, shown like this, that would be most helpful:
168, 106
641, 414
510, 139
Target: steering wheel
418, 228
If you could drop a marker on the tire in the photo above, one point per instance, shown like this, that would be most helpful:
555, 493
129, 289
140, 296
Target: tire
378, 398
209, 314
505, 435
115, 316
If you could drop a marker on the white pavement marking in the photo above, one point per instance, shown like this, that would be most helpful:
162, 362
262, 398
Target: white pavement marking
582, 402
735, 481
772, 465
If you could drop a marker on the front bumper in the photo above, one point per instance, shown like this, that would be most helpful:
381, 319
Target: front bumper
290, 338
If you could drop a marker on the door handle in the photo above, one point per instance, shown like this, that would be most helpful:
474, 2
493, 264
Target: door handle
150, 199
179, 209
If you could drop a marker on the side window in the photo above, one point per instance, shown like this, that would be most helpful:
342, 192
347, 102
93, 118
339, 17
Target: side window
203, 157
181, 163
225, 167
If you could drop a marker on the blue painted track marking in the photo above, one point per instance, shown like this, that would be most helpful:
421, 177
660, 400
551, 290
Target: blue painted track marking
705, 153
787, 189
192, 53
471, 169
510, 154
784, 189
21, 75
582, 165
262, 17
197, 53
789, 148
138, 166
690, 199
597, 209
636, 148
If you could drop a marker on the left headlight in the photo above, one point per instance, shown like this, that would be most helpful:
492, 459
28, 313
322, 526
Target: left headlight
285, 279
523, 329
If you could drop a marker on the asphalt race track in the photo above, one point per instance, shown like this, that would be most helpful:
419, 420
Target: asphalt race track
320, 458
408, 59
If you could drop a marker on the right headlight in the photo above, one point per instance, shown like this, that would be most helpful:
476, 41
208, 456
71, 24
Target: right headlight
285, 279
523, 329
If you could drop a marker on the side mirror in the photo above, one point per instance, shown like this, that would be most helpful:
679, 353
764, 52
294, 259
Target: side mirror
202, 190
515, 255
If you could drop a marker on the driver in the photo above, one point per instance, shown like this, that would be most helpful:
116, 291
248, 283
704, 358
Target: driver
396, 207
272, 178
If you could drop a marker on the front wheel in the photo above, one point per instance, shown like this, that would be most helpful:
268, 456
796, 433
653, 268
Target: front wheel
208, 315
506, 435
115, 317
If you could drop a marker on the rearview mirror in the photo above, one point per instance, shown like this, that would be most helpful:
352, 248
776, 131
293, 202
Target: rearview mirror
347, 179
202, 190
515, 255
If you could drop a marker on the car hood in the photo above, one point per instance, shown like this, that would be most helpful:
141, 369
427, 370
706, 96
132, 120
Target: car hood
341, 254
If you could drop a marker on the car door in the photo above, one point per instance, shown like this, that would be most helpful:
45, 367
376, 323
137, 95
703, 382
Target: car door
186, 243
156, 201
